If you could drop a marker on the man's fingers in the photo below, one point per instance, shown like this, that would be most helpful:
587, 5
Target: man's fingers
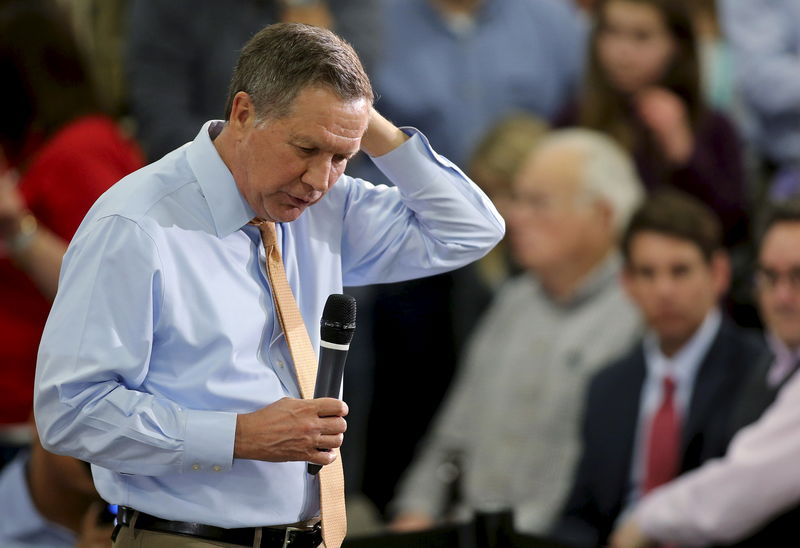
322, 457
330, 441
331, 407
333, 425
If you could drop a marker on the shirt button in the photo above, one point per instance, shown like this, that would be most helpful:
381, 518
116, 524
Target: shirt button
281, 363
217, 468
195, 467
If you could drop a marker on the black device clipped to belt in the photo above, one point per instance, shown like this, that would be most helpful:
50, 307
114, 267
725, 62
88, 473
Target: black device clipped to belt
271, 537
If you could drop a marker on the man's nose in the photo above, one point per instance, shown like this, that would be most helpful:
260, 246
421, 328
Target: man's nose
317, 174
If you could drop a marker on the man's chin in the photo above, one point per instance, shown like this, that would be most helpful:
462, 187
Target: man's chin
287, 214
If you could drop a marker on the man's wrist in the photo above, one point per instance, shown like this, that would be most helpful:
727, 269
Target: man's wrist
21, 240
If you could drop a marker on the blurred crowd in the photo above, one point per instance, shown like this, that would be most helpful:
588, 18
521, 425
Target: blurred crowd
645, 155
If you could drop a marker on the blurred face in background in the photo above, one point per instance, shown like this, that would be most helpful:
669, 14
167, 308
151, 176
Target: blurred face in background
634, 46
673, 284
553, 221
778, 282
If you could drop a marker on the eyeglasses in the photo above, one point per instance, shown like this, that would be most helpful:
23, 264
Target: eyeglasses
769, 278
544, 204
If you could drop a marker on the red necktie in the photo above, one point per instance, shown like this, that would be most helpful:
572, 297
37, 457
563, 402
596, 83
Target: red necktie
663, 441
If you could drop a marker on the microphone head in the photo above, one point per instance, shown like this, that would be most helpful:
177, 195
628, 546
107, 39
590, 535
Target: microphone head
338, 319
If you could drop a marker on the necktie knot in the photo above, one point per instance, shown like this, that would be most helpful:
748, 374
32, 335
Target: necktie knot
668, 387
267, 228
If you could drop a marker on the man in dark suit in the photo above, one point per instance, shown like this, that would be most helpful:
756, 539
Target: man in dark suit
664, 408
752, 495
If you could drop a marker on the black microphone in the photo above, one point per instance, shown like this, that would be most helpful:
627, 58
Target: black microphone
337, 326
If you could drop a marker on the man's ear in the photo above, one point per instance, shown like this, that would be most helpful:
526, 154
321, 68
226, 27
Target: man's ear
721, 271
606, 212
243, 112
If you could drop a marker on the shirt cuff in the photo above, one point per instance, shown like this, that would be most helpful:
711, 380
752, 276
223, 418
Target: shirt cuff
209, 441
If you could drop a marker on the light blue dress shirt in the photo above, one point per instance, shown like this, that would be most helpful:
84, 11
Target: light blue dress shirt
21, 525
163, 328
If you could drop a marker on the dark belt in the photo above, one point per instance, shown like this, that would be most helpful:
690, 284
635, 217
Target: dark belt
271, 537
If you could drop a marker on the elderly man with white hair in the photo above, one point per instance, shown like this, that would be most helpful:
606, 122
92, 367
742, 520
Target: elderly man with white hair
510, 421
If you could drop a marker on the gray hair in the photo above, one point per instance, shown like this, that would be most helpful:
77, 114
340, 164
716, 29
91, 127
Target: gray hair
608, 172
283, 59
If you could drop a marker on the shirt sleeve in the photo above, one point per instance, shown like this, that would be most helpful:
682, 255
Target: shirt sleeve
433, 220
728, 498
90, 397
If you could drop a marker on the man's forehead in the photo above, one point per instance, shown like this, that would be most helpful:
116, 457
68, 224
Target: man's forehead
672, 248
326, 140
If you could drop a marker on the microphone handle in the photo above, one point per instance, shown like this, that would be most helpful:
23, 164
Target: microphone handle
329, 378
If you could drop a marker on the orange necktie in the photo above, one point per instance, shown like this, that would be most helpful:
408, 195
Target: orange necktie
331, 477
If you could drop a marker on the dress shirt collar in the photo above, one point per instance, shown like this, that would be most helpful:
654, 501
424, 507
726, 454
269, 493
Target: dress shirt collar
229, 210
784, 362
682, 366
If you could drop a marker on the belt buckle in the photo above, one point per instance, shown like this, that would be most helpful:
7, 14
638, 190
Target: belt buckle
287, 537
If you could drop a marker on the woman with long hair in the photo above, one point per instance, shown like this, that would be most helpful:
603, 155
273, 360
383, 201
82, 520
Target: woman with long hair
643, 87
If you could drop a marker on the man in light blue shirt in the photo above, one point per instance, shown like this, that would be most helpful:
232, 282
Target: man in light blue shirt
162, 362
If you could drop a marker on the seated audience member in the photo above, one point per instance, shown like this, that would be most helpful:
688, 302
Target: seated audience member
493, 165
58, 153
765, 39
479, 60
750, 496
460, 298
510, 421
662, 409
643, 87
49, 501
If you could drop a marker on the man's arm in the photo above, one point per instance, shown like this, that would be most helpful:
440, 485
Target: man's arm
34, 249
728, 498
433, 220
94, 359
381, 136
